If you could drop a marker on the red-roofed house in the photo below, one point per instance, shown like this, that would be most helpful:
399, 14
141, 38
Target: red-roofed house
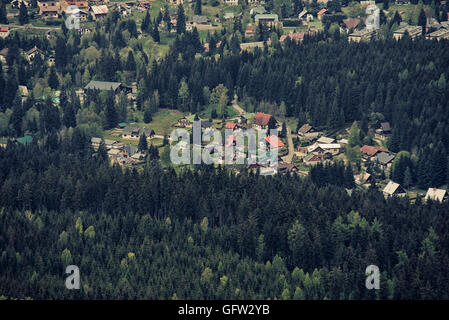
294, 36
4, 32
49, 12
231, 125
321, 13
264, 121
350, 23
274, 142
371, 151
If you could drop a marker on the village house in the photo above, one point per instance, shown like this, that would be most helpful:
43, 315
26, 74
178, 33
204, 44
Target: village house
412, 31
32, 53
383, 132
394, 189
366, 3
370, 151
3, 55
438, 34
95, 142
349, 24
270, 19
231, 125
99, 12
145, 4
84, 30
183, 123
383, 159
4, 32
274, 142
321, 14
293, 36
362, 35
103, 86
80, 4
250, 31
402, 2
196, 19
363, 178
436, 195
287, 168
325, 140
264, 121
49, 13
231, 2
313, 159
333, 148
134, 132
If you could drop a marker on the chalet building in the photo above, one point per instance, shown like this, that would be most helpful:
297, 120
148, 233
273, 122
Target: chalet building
95, 142
325, 140
134, 132
383, 132
362, 35
367, 3
370, 151
84, 30
363, 178
402, 2
287, 168
183, 123
4, 32
264, 121
196, 20
293, 36
80, 4
384, 159
145, 4
231, 125
436, 195
412, 31
321, 14
305, 128
231, 2
267, 18
103, 86
315, 149
49, 3
438, 34
274, 142
313, 159
332, 148
49, 13
33, 52
250, 31
349, 24
394, 189
99, 12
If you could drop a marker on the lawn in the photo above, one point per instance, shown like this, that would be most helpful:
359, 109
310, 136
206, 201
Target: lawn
206, 113
162, 120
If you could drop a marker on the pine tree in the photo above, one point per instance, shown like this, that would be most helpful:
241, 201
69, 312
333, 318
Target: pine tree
422, 20
53, 81
130, 62
166, 19
3, 13
23, 14
143, 144
147, 118
180, 20
155, 34
386, 5
111, 116
198, 9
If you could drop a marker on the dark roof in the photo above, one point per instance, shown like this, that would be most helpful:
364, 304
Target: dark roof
130, 149
384, 158
385, 126
102, 85
206, 124
131, 129
305, 128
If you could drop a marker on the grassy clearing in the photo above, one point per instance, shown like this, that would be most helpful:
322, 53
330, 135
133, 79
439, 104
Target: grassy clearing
162, 120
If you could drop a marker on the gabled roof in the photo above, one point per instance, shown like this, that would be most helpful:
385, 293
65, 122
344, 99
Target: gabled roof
131, 129
49, 9
372, 150
230, 125
384, 158
321, 12
325, 140
25, 140
351, 23
385, 126
102, 85
103, 9
4, 29
435, 194
274, 141
393, 188
262, 119
305, 128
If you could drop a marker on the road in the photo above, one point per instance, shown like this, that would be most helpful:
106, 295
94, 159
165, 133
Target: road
29, 26
291, 150
236, 106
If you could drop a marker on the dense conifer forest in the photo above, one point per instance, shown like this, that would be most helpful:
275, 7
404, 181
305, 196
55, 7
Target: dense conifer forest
154, 232
205, 234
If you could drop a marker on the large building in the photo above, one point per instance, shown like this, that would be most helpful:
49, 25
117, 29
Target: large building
362, 35
412, 31
438, 35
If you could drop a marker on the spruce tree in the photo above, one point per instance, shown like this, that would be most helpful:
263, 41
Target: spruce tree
143, 143
198, 9
3, 13
180, 20
23, 14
